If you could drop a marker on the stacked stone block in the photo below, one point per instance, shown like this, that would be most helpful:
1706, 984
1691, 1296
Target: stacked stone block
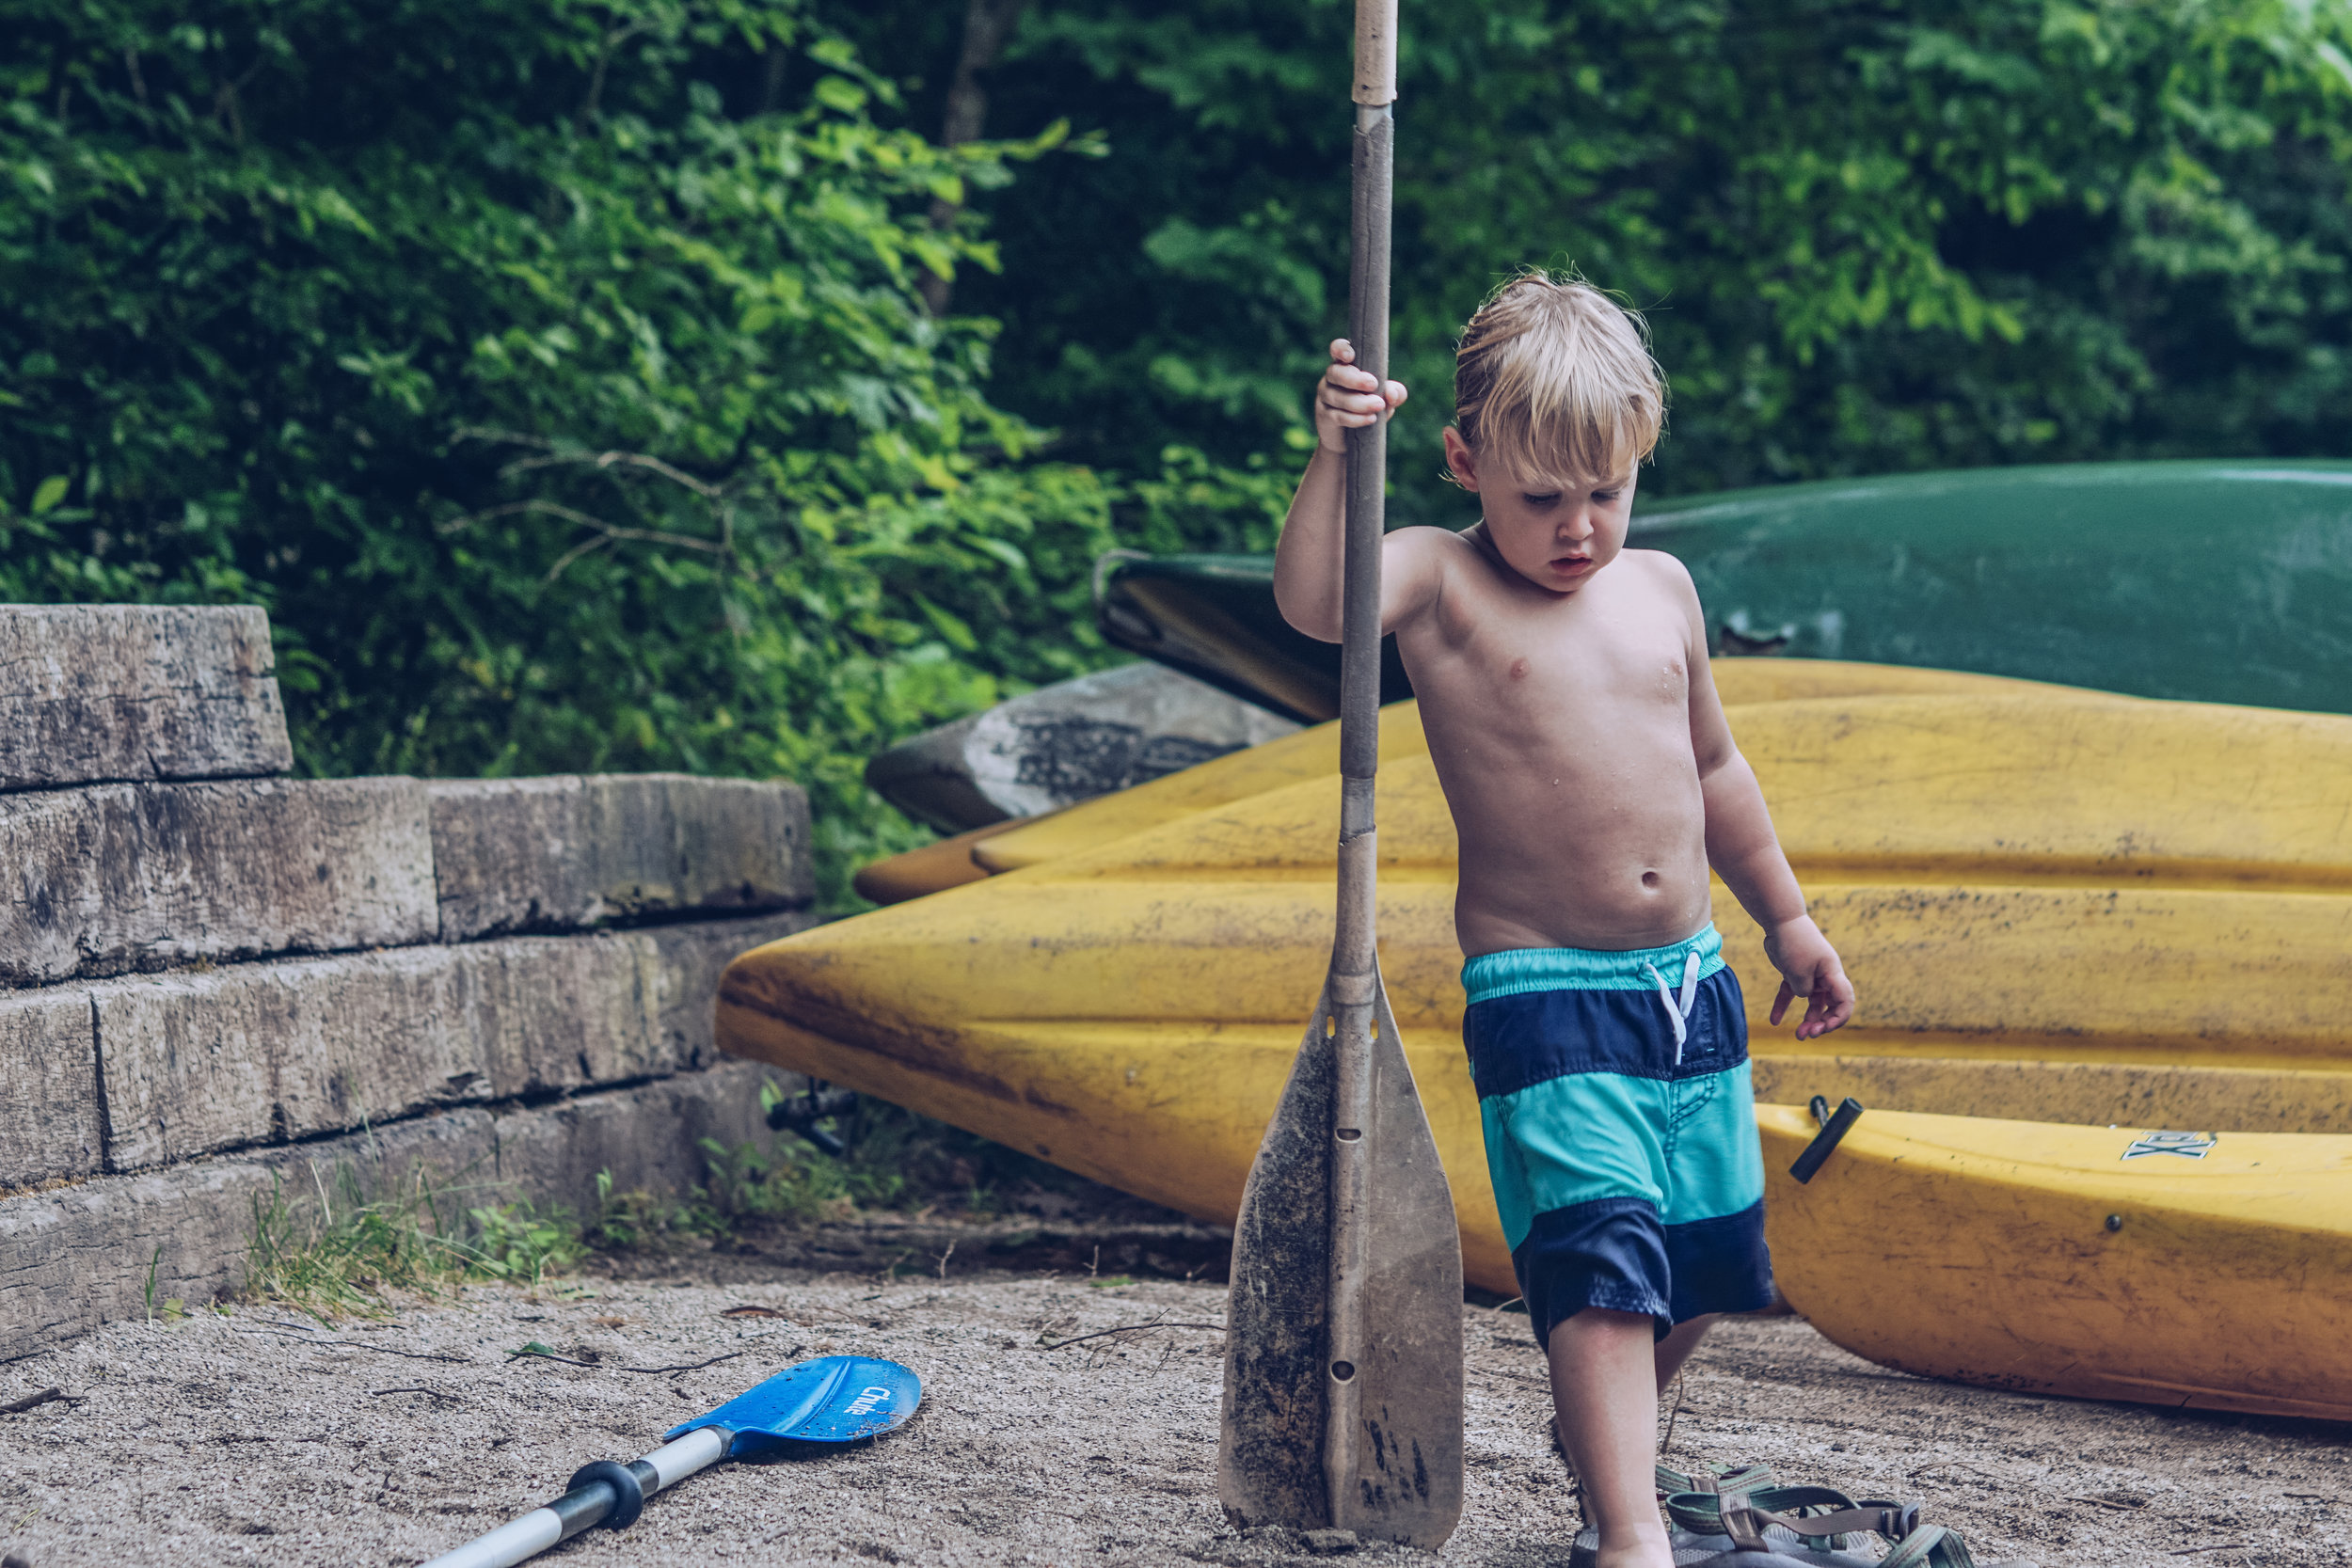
215, 979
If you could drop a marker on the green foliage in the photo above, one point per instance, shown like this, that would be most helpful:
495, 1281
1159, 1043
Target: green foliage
345, 1254
1871, 234
553, 371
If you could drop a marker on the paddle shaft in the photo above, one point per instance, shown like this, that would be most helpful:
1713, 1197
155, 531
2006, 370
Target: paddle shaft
586, 1505
1354, 981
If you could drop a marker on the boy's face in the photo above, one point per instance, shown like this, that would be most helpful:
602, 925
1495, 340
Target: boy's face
1555, 538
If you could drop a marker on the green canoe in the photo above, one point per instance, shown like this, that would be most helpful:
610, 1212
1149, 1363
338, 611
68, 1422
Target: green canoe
2212, 581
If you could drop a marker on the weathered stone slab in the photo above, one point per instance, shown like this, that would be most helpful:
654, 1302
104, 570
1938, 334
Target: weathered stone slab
122, 877
258, 1053
687, 961
49, 1125
91, 692
564, 853
194, 1063
1064, 743
648, 1138
73, 1258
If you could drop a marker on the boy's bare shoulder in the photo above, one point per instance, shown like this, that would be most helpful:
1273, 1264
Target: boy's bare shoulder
1425, 536
1670, 580
1665, 567
1429, 564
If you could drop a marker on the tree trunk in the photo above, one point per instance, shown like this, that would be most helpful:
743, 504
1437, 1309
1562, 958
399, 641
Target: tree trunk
985, 25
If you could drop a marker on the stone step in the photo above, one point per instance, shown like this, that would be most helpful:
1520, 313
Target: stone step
78, 1256
50, 1128
571, 851
102, 692
133, 1074
116, 878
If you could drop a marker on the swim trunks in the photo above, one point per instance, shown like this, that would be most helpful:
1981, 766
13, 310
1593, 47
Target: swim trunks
1620, 1129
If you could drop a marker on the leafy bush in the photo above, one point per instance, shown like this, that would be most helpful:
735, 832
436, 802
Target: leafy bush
552, 371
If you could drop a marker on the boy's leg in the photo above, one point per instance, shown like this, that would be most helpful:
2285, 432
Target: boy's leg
1676, 1347
1604, 1384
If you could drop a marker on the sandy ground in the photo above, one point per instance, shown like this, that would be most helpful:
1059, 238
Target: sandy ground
258, 1437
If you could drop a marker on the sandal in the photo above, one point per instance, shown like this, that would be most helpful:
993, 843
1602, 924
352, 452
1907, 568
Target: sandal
1813, 1525
1718, 1481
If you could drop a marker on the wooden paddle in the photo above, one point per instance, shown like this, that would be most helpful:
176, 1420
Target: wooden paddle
1343, 1403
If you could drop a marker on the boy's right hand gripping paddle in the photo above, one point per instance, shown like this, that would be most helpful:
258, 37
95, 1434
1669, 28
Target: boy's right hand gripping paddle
1343, 1401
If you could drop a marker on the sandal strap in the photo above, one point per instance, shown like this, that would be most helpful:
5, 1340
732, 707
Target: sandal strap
1698, 1509
1930, 1546
1714, 1478
1819, 1514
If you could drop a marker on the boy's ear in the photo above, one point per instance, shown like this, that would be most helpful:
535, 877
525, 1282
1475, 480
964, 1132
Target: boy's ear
1461, 461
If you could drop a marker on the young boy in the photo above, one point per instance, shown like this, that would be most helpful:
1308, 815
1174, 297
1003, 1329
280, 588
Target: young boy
1563, 687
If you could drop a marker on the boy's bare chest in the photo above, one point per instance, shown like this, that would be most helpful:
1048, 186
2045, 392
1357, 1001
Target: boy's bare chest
1514, 655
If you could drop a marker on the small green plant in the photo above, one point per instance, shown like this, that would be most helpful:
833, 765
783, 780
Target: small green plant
345, 1254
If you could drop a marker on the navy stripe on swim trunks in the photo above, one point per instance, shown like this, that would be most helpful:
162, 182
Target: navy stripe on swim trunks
1625, 1159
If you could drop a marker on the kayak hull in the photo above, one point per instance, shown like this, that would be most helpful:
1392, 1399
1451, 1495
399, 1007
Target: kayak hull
2057, 908
2058, 1261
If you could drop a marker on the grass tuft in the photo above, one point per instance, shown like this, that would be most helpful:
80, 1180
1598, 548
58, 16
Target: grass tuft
340, 1251
348, 1255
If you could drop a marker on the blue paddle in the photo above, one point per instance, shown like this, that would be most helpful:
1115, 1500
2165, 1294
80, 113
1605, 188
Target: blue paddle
834, 1398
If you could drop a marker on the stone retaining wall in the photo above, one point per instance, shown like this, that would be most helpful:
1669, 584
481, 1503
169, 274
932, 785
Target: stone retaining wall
214, 981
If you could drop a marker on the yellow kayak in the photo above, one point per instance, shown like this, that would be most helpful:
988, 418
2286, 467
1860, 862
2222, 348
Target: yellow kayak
2057, 906
2208, 1271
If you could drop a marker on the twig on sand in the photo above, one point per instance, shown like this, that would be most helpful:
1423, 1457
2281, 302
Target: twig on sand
2226, 1547
1665, 1444
379, 1393
690, 1366
2128, 1508
354, 1344
1132, 1328
536, 1352
47, 1396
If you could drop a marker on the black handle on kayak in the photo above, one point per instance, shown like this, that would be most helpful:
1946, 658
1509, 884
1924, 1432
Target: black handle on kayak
1825, 1142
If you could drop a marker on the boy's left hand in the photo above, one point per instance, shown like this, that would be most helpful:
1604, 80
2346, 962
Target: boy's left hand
1809, 967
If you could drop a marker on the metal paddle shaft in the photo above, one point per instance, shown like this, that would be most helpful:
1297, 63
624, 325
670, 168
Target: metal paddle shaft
596, 1496
1343, 1403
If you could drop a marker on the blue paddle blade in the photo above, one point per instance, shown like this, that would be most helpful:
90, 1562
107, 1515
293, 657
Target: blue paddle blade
834, 1398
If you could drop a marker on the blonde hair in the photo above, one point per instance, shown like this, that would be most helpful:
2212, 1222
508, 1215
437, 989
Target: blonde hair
1553, 372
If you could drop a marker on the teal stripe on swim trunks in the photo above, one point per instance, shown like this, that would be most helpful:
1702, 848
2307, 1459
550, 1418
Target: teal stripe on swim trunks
1593, 1135
1521, 971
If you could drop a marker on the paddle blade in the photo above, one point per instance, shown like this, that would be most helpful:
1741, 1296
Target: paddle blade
834, 1398
1408, 1469
1269, 1451
1407, 1480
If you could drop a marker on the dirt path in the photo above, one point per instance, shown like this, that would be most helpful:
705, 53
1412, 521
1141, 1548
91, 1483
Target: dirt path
255, 1438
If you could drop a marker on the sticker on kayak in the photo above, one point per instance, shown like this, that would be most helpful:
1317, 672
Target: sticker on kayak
2186, 1145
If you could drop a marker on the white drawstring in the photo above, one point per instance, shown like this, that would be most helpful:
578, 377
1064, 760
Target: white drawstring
1679, 1015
